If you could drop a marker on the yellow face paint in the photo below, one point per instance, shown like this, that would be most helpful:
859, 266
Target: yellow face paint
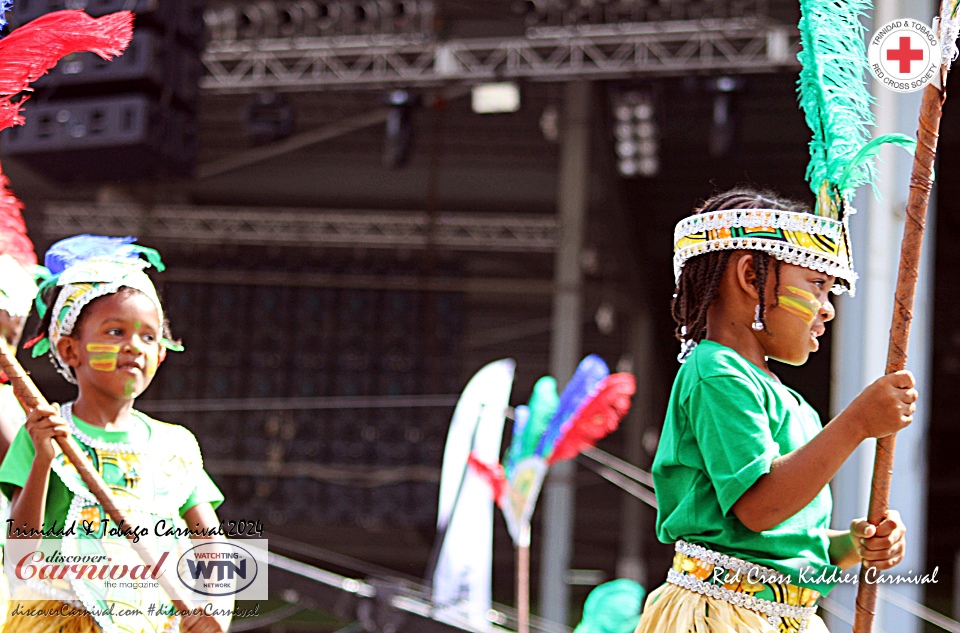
152, 363
103, 356
801, 304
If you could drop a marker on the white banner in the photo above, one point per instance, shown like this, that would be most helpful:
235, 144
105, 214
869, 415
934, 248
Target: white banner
462, 579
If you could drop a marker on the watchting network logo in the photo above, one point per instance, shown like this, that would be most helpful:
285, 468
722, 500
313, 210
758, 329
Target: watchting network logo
219, 569
904, 55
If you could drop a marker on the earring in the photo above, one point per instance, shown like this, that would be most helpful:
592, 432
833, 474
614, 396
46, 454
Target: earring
758, 325
686, 346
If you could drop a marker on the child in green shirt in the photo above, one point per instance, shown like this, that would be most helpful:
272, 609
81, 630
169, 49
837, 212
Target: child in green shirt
103, 326
743, 463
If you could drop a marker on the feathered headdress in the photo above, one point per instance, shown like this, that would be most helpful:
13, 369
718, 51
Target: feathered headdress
85, 267
836, 105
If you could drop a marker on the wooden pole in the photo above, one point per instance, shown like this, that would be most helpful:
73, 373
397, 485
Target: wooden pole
30, 398
523, 579
921, 182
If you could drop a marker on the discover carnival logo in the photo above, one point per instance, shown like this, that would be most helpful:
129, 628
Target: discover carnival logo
904, 55
210, 570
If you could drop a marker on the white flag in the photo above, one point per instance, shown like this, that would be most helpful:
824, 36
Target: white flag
462, 579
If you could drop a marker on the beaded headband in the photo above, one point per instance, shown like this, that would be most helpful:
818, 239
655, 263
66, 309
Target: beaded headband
813, 241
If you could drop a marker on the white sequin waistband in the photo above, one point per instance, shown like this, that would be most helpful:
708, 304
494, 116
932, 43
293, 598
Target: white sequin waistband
773, 610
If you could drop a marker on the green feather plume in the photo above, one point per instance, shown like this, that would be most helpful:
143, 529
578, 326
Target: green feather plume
836, 102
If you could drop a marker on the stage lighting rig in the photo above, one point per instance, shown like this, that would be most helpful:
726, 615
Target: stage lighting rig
635, 133
549, 14
320, 18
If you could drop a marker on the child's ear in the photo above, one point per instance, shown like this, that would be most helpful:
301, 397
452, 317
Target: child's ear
69, 349
746, 275
163, 355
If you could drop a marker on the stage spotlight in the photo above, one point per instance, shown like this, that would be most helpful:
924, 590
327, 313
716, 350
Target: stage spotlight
268, 118
723, 124
399, 133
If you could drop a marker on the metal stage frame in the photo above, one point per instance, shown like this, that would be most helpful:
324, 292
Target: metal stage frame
735, 46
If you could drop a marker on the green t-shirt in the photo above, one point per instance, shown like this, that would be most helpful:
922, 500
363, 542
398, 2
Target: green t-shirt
726, 422
16, 468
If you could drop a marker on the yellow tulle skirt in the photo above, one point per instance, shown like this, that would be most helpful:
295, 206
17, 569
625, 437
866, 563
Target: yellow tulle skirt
60, 618
673, 609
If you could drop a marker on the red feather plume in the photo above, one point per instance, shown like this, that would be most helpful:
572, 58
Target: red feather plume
13, 231
493, 473
597, 418
9, 113
33, 49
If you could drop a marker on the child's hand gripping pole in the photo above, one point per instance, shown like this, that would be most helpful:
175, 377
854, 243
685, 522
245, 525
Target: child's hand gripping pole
921, 182
30, 398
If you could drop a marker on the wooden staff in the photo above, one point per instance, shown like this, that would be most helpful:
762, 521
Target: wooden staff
523, 579
30, 398
921, 182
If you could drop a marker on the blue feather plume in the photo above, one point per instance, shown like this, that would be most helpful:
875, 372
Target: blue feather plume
589, 373
80, 248
5, 5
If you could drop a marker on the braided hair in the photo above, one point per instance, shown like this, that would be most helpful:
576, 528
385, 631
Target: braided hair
700, 278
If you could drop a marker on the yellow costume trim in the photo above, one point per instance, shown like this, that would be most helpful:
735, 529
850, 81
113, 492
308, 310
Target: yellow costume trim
673, 609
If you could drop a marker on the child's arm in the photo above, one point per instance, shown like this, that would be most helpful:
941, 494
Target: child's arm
27, 505
883, 408
204, 516
882, 546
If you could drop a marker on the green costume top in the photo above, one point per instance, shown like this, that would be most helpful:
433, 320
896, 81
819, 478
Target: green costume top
726, 422
155, 472
16, 467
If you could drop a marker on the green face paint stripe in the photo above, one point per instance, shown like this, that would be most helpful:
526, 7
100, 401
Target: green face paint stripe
103, 356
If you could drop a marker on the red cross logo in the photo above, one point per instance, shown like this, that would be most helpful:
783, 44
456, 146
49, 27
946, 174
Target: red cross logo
905, 54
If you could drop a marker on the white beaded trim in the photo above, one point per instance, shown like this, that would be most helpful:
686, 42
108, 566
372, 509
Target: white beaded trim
98, 444
773, 610
758, 218
773, 218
